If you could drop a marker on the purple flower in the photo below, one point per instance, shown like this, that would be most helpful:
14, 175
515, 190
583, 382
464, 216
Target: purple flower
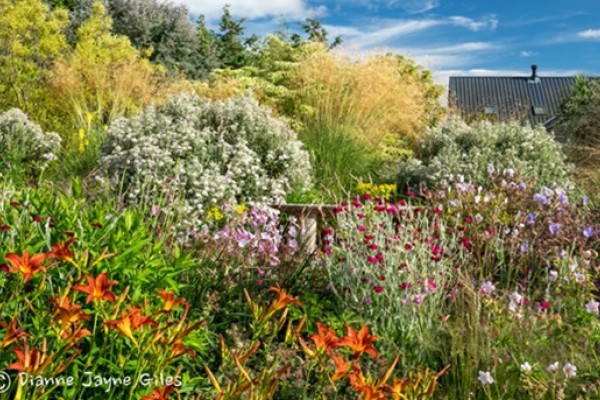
531, 218
540, 198
522, 186
586, 201
524, 247
554, 228
563, 199
588, 232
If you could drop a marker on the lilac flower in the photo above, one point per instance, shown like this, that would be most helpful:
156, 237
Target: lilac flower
522, 186
485, 378
525, 367
563, 199
593, 307
367, 300
487, 288
531, 218
588, 232
524, 247
586, 201
554, 228
553, 367
478, 218
540, 198
570, 370
155, 210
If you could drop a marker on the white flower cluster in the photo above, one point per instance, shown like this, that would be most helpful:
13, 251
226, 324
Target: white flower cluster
208, 153
482, 150
24, 146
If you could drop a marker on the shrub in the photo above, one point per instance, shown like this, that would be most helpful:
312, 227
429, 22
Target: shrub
25, 149
104, 75
474, 151
31, 39
208, 152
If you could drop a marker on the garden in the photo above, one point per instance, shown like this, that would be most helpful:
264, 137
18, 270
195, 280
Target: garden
146, 251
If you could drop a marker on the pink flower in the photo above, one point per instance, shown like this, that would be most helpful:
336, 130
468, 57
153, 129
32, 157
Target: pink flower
372, 246
372, 260
378, 289
487, 288
361, 228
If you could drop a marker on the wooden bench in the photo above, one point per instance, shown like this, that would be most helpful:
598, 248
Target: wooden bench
307, 216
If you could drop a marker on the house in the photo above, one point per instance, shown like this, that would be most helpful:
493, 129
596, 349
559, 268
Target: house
534, 99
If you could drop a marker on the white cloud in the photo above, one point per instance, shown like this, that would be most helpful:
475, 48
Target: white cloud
397, 28
415, 6
252, 9
392, 29
527, 53
457, 55
489, 22
590, 34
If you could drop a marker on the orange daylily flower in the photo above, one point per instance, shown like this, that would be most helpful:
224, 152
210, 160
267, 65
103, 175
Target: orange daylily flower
397, 389
61, 251
178, 349
12, 334
98, 288
169, 300
370, 392
66, 313
31, 361
131, 321
26, 264
75, 332
325, 338
283, 299
160, 394
360, 343
341, 367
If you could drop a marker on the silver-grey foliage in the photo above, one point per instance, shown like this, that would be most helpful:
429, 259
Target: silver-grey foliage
208, 152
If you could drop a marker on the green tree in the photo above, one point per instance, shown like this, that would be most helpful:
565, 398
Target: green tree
31, 40
316, 33
579, 123
233, 47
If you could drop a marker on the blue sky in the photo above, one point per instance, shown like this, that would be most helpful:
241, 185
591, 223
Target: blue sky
450, 37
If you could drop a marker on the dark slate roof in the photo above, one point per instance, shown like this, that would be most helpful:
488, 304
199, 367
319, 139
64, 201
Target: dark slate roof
511, 97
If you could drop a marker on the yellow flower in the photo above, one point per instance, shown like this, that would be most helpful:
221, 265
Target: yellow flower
81, 148
81, 133
88, 119
385, 190
215, 213
241, 208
